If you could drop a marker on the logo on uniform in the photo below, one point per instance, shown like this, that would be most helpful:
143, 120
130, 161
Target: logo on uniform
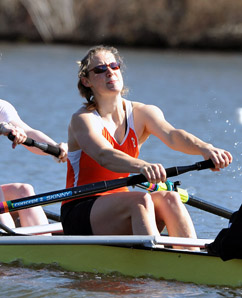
133, 140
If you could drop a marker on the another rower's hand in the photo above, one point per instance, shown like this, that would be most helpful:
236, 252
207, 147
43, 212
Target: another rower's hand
18, 133
64, 151
154, 173
220, 157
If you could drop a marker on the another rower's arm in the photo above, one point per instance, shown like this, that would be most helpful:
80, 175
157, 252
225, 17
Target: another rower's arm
39, 136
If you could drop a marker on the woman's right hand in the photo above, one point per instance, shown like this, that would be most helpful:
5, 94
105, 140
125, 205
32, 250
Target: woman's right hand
154, 173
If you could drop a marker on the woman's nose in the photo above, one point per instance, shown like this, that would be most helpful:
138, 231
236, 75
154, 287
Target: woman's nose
109, 70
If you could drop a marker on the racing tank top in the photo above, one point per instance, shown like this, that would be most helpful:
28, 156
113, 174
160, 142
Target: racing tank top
82, 169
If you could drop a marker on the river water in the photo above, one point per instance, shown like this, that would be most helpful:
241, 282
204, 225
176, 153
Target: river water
199, 92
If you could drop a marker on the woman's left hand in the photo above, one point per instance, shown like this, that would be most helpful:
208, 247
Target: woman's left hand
220, 157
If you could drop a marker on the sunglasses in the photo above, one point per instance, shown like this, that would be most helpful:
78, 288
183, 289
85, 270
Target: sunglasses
102, 68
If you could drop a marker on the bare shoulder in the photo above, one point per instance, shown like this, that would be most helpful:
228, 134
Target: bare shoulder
141, 109
81, 113
82, 119
82, 110
80, 128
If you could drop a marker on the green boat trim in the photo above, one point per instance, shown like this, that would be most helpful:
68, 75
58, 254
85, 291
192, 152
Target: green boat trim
134, 256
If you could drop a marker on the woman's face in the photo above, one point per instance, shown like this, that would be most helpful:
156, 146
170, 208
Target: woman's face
108, 82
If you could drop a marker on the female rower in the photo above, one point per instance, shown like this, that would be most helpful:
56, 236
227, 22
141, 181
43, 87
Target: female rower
11, 122
104, 139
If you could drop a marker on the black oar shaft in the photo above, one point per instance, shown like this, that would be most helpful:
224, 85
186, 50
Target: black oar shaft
83, 191
209, 207
52, 216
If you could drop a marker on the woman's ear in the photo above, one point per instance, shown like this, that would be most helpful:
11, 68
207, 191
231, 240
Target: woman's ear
85, 82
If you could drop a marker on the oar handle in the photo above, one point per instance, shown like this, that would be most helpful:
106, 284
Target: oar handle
174, 171
201, 165
49, 149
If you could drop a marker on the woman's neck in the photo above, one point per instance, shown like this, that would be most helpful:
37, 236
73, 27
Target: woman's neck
110, 106
114, 119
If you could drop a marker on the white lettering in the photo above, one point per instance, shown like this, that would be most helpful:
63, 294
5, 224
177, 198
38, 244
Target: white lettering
133, 140
42, 199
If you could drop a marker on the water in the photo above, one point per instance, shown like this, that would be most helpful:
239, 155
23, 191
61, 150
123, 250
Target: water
42, 282
199, 92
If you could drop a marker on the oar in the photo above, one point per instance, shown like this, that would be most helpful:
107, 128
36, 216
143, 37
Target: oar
188, 198
7, 230
49, 149
92, 188
51, 215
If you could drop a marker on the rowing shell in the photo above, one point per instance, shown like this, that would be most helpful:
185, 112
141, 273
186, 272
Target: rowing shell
135, 256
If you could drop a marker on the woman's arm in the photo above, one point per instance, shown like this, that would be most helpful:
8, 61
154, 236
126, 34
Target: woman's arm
83, 135
152, 121
39, 136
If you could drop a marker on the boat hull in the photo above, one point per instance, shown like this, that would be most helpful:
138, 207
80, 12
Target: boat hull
136, 261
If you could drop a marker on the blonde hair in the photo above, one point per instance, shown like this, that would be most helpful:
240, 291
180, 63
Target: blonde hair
84, 64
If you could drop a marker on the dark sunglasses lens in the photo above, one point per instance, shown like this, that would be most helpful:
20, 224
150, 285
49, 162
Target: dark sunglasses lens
115, 65
100, 69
